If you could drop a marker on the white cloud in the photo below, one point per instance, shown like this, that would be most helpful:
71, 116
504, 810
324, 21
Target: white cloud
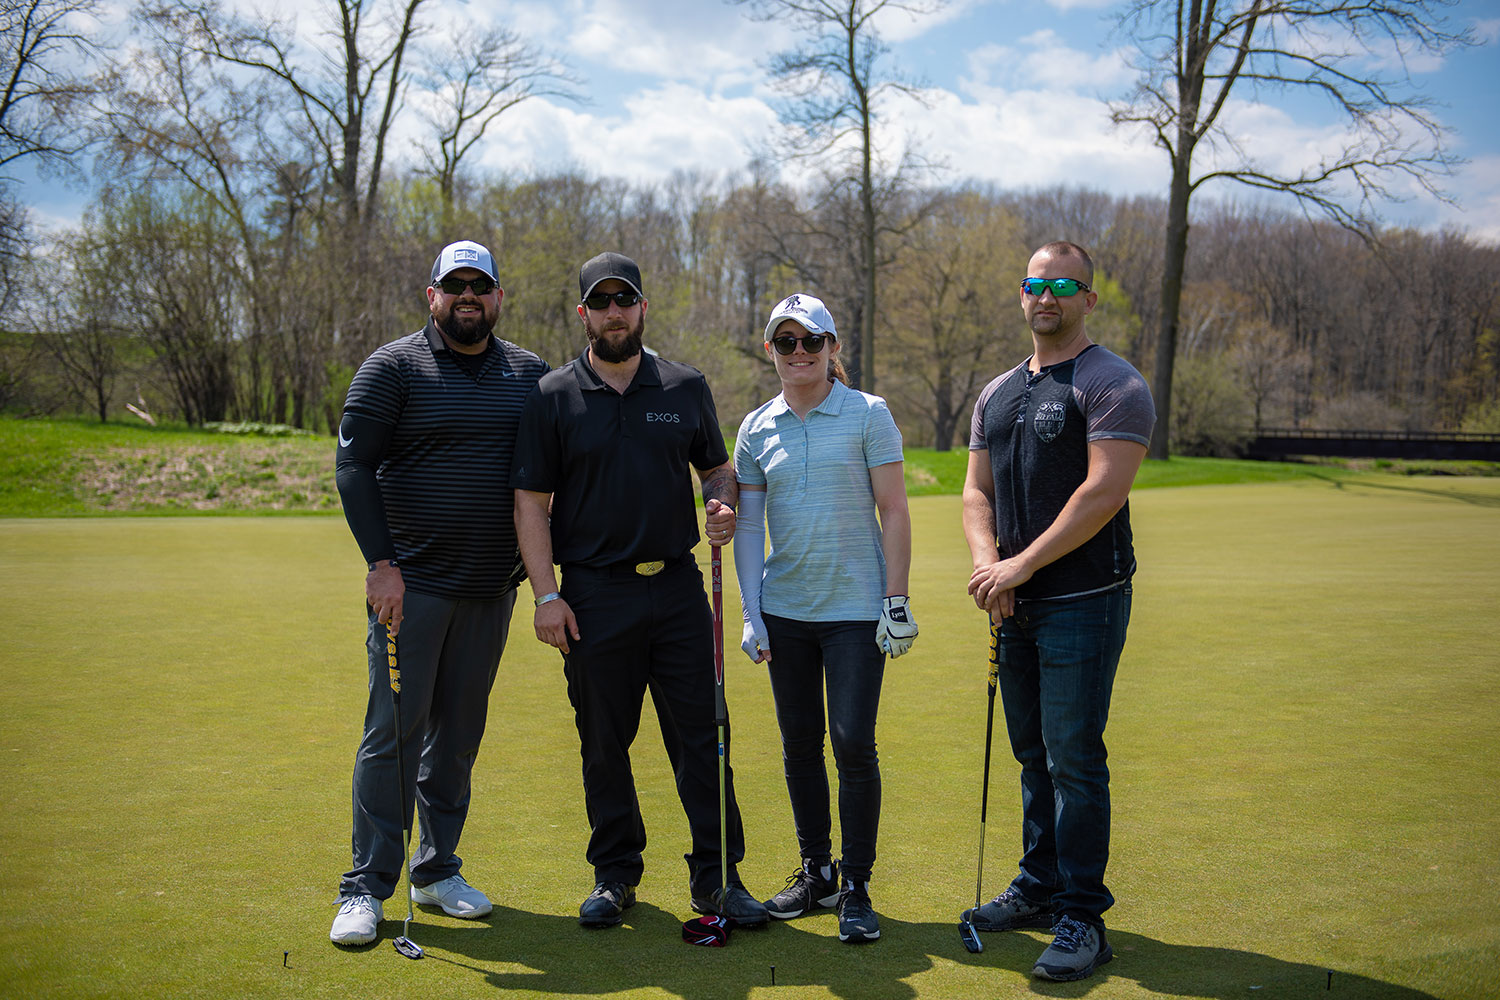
1042, 61
669, 128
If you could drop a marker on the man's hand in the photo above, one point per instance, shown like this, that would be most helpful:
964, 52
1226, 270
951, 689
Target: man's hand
993, 586
756, 642
897, 629
385, 592
718, 522
554, 623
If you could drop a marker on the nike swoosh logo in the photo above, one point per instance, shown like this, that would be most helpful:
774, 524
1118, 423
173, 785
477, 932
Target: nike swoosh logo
509, 374
343, 441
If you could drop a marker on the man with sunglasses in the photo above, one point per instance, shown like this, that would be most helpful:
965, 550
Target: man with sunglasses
603, 489
423, 467
1054, 447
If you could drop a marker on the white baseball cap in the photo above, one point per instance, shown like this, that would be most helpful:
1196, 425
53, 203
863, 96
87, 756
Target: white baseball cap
464, 253
808, 310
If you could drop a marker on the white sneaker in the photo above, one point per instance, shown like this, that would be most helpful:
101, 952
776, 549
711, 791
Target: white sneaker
457, 898
356, 920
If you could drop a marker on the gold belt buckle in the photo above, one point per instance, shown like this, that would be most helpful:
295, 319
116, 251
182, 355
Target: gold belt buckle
650, 568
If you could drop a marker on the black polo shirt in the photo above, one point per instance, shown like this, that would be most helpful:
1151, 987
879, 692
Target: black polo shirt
1037, 428
617, 465
444, 475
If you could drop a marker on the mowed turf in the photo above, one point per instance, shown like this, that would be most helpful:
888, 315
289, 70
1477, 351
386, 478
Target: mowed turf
1305, 745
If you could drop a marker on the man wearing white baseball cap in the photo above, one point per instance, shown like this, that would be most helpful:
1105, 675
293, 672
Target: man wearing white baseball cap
423, 468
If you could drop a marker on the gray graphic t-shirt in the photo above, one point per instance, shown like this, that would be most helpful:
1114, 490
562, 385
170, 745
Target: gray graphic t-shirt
1037, 428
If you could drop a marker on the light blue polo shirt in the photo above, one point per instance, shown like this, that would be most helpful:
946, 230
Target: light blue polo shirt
825, 562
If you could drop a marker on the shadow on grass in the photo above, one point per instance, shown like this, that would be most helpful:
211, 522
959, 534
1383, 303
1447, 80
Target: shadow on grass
546, 953
1477, 498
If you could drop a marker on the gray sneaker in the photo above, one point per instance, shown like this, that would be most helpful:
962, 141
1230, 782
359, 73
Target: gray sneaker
1077, 949
356, 920
1009, 911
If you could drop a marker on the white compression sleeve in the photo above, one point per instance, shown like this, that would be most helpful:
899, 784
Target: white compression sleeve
750, 548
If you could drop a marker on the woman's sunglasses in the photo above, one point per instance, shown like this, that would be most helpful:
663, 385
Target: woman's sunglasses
812, 343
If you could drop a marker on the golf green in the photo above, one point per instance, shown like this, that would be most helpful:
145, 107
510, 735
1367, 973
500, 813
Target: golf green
1305, 747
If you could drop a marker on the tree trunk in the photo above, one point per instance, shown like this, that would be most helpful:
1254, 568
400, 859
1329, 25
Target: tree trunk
1174, 265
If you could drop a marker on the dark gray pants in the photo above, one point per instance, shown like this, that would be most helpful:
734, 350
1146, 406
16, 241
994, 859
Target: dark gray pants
449, 652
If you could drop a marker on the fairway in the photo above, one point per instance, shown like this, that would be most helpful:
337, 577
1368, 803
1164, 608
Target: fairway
1305, 748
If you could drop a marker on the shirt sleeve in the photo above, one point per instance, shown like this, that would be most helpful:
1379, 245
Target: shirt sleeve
976, 422
746, 468
534, 466
378, 389
708, 451
1116, 401
882, 436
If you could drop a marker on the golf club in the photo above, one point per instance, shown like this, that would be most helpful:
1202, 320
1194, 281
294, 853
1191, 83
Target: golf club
712, 930
966, 932
403, 944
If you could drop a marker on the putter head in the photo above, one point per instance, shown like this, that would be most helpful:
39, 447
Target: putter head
407, 947
970, 937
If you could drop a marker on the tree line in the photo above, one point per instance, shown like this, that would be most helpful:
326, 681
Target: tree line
250, 242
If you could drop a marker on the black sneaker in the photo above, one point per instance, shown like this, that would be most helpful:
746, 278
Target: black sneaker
736, 903
1077, 949
857, 921
805, 891
606, 904
1009, 911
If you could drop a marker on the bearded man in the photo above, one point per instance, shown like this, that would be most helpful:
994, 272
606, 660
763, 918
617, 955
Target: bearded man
423, 468
606, 442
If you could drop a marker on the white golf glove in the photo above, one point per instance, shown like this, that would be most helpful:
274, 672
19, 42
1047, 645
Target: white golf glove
897, 629
756, 641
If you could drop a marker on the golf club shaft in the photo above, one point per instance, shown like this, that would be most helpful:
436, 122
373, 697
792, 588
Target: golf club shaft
394, 661
989, 732
721, 710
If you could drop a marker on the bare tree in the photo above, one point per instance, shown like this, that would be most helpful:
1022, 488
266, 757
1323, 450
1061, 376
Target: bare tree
835, 85
346, 96
44, 48
1193, 54
487, 75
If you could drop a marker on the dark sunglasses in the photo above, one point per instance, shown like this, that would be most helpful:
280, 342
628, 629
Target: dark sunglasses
599, 301
456, 286
1062, 288
812, 343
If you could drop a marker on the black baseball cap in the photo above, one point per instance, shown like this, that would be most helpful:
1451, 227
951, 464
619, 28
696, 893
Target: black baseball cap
605, 266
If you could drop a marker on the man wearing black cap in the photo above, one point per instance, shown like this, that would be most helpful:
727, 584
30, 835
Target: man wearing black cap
424, 459
606, 441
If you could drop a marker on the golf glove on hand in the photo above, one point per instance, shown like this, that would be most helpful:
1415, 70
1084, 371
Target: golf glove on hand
756, 641
897, 629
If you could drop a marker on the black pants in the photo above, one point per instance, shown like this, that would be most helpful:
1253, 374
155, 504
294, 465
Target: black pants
640, 633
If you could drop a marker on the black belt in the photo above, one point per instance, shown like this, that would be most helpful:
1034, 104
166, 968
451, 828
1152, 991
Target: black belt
646, 568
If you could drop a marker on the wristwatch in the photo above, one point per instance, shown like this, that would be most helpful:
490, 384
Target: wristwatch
392, 561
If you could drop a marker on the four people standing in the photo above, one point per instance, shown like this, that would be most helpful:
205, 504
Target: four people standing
815, 465
435, 437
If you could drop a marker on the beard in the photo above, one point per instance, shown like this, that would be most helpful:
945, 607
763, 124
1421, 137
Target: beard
467, 330
616, 351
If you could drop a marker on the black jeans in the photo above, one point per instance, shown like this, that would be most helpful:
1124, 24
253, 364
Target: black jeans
806, 656
641, 633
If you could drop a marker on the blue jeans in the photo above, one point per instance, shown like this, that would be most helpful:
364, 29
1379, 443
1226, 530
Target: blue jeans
806, 656
1057, 669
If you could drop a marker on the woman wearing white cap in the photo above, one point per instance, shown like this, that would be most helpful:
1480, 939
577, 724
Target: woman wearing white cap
820, 470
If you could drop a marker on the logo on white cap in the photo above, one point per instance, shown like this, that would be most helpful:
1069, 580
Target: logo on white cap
465, 253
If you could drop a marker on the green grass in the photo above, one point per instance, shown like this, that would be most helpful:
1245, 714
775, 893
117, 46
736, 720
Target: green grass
51, 468
1303, 746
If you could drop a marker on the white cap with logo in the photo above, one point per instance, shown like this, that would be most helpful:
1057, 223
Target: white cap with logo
808, 310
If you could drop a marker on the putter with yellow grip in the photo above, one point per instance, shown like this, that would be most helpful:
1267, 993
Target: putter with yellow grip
403, 944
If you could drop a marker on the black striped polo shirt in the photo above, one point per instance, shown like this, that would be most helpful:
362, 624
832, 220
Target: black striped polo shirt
445, 478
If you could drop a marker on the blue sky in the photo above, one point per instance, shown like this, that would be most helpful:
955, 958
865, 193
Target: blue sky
1014, 94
